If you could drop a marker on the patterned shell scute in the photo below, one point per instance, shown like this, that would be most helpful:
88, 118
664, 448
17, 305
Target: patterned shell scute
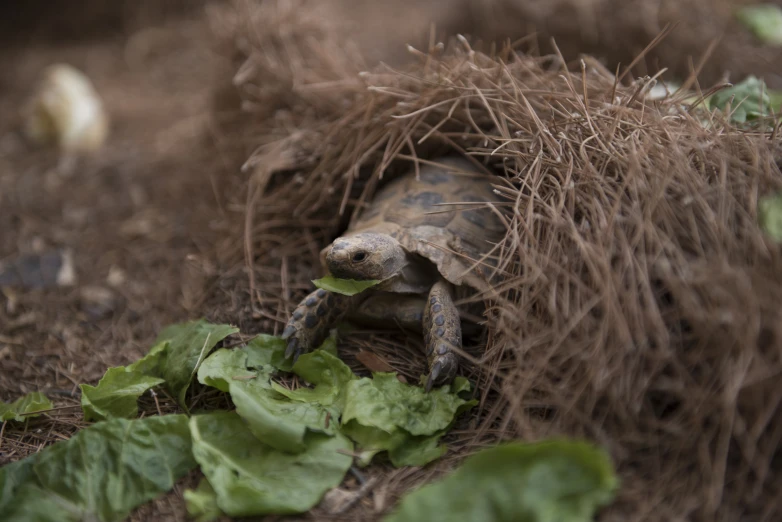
423, 215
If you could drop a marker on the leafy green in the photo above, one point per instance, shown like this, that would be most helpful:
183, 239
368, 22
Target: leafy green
24, 407
188, 344
116, 394
748, 100
550, 481
764, 20
382, 414
202, 502
385, 403
417, 451
102, 473
326, 371
403, 449
770, 215
173, 360
252, 478
344, 286
268, 351
277, 421
12, 476
273, 418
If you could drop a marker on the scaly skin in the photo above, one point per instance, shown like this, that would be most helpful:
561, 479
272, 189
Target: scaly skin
442, 333
311, 321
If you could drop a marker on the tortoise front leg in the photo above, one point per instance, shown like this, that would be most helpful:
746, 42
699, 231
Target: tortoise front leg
442, 333
311, 321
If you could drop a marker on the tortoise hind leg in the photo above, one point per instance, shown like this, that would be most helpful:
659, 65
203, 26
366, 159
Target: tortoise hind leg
442, 333
311, 321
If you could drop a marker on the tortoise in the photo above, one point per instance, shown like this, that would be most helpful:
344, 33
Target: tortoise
421, 251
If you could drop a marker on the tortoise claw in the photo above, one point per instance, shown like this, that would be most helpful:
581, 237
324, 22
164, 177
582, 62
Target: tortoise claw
433, 375
289, 330
292, 349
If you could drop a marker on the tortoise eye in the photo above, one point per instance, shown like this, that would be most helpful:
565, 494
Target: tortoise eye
359, 257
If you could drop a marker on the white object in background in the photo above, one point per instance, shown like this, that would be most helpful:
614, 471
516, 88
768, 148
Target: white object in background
67, 111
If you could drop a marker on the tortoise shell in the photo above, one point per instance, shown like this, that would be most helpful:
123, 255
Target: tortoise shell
442, 216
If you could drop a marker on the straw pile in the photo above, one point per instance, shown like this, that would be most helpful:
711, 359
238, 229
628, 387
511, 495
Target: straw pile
639, 306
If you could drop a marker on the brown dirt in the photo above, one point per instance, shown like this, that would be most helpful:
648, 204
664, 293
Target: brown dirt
132, 214
645, 295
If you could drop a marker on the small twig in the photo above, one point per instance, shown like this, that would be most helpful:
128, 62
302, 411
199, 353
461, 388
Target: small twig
240, 342
49, 410
362, 492
157, 404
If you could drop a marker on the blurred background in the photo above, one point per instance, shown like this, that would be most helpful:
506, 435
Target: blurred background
613, 30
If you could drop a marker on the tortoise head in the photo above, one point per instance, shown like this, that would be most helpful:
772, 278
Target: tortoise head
366, 256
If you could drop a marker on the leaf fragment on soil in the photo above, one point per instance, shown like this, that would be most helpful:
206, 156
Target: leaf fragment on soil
188, 345
116, 394
764, 20
344, 286
173, 359
25, 407
101, 473
554, 480
252, 478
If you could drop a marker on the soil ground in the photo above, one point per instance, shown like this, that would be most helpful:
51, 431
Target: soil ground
131, 214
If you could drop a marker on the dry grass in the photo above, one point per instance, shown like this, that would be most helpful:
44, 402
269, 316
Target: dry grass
637, 307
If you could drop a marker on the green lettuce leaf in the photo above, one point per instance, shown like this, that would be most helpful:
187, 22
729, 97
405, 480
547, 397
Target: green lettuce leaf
25, 407
764, 20
551, 481
277, 421
770, 214
252, 478
344, 286
403, 449
151, 363
12, 476
274, 419
382, 414
201, 502
748, 100
188, 344
102, 473
116, 394
327, 372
